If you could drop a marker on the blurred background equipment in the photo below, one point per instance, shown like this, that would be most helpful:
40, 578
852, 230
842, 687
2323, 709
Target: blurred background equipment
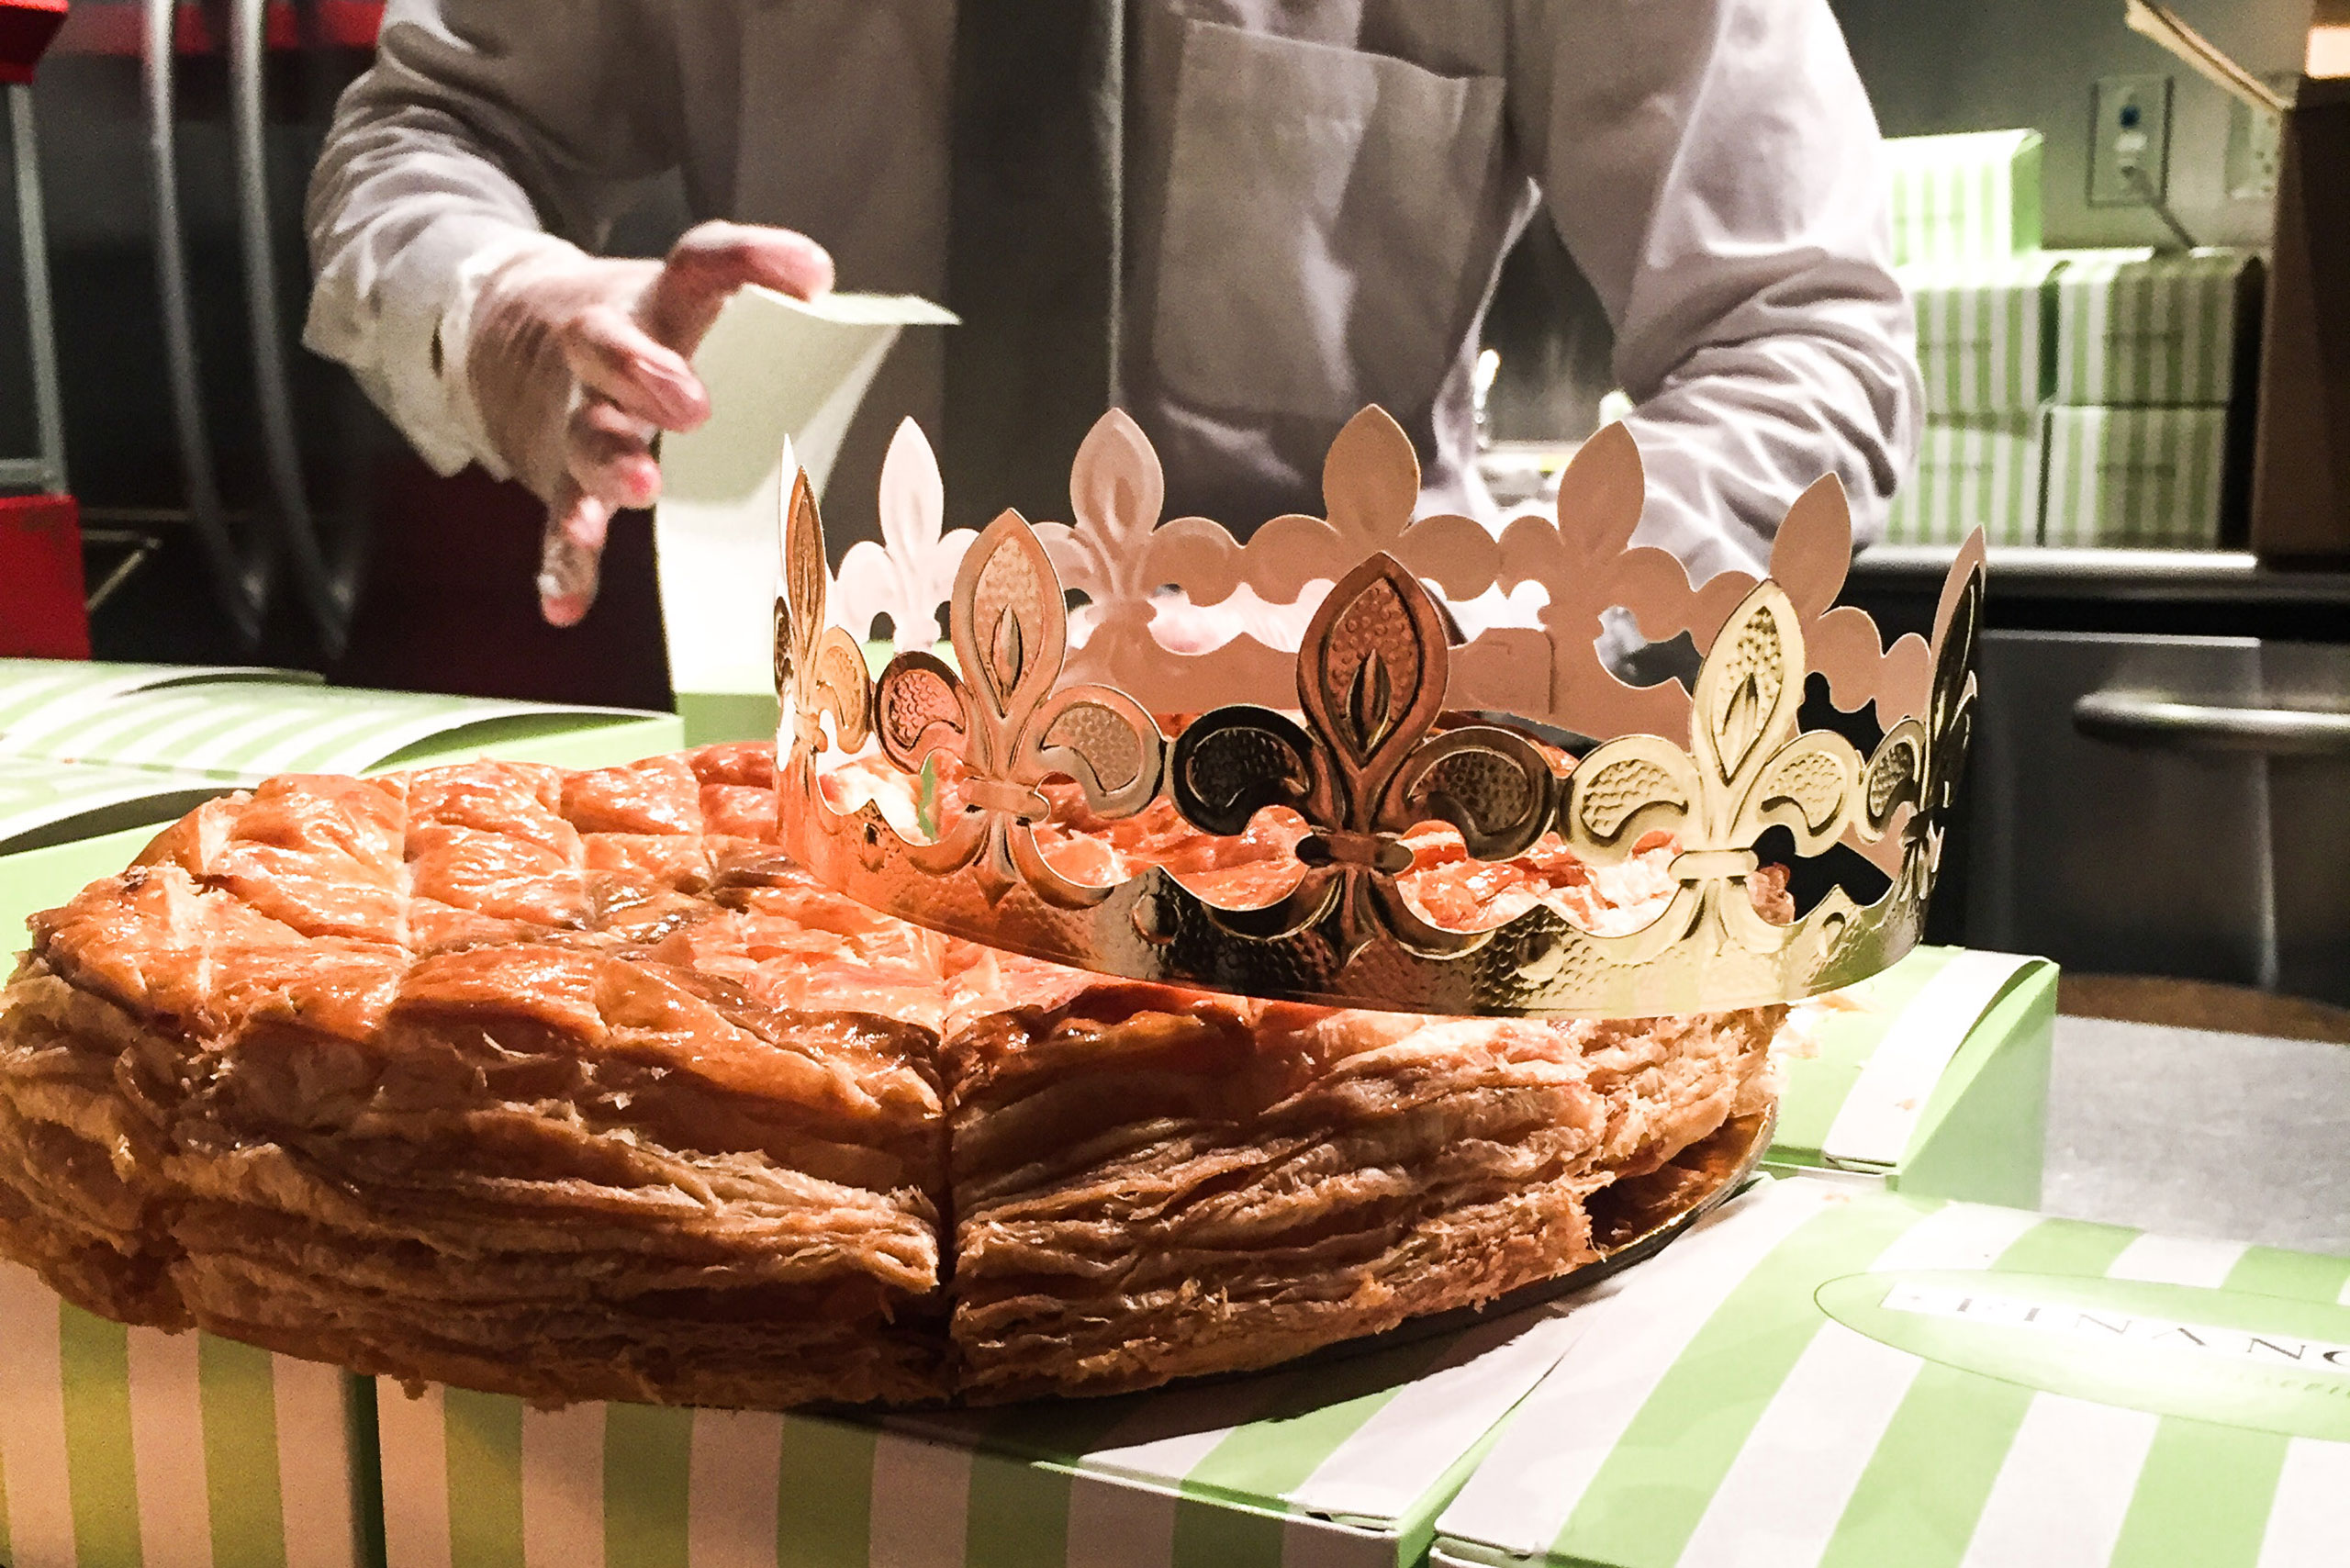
41, 612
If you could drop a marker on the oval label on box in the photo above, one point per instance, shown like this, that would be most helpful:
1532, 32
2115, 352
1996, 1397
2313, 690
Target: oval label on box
2212, 1355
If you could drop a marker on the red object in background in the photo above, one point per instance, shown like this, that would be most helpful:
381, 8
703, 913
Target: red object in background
118, 29
26, 27
40, 579
450, 601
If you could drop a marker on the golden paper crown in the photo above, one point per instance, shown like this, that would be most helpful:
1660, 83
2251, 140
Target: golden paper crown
1394, 728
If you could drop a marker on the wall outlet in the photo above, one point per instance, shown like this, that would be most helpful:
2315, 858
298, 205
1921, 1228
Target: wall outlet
2255, 145
2129, 140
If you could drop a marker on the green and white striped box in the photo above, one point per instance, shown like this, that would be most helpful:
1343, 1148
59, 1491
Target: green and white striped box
1972, 195
2137, 327
130, 1448
44, 802
249, 731
1986, 338
1342, 1464
1818, 1376
1979, 473
33, 690
1932, 1077
2148, 478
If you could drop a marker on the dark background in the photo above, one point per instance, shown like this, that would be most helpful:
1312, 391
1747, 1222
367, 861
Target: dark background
445, 566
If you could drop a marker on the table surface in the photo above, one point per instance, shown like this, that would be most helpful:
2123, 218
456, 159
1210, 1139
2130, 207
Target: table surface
2191, 1132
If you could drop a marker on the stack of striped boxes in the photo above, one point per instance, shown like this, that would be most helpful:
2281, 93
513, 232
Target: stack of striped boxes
2079, 396
1987, 337
1966, 236
2148, 435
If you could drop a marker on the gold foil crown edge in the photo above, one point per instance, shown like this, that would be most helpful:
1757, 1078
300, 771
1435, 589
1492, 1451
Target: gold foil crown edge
1374, 745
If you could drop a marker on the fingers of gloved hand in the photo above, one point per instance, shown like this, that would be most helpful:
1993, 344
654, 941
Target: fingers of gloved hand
713, 260
611, 455
570, 555
616, 360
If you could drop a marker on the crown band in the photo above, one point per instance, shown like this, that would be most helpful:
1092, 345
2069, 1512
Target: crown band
1370, 764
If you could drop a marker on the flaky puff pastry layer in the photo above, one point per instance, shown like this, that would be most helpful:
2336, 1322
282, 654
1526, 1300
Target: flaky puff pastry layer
563, 1084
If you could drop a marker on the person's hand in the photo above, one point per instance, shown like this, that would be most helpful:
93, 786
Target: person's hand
577, 360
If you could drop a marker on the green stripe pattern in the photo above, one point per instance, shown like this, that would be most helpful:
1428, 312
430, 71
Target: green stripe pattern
484, 1434
1975, 194
2201, 1498
255, 729
1232, 1512
42, 801
1817, 1085
648, 1462
1652, 1488
216, 731
240, 1476
32, 686
216, 1446
2204, 1495
95, 1364
1021, 1480
1986, 334
1227, 1511
2151, 477
1973, 473
2139, 328
822, 1494
1932, 1472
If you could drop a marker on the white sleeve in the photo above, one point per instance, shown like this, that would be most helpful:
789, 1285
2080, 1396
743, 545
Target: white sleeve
1718, 174
482, 125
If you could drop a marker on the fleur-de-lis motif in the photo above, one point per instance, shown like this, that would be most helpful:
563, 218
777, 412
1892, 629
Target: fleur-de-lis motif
1810, 559
1116, 491
909, 574
1012, 723
1363, 768
1370, 487
819, 669
1589, 564
1370, 757
1920, 762
1741, 775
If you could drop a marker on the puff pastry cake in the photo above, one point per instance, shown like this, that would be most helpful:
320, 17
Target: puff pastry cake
566, 1085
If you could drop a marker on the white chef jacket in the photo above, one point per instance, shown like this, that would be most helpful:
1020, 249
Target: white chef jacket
1319, 194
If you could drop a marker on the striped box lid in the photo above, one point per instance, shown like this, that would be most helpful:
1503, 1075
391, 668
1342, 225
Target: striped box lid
130, 1448
248, 730
1972, 193
1343, 1464
2141, 327
44, 802
1981, 472
1878, 1051
1987, 332
2154, 478
41, 693
1819, 1375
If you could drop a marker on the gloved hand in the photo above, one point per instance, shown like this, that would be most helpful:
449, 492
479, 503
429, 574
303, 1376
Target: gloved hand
575, 361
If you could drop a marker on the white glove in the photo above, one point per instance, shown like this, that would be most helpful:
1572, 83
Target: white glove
575, 361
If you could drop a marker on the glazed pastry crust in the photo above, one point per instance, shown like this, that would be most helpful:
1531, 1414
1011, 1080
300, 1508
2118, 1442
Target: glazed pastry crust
564, 1084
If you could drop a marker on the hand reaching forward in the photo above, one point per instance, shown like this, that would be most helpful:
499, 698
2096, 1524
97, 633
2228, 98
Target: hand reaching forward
575, 361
